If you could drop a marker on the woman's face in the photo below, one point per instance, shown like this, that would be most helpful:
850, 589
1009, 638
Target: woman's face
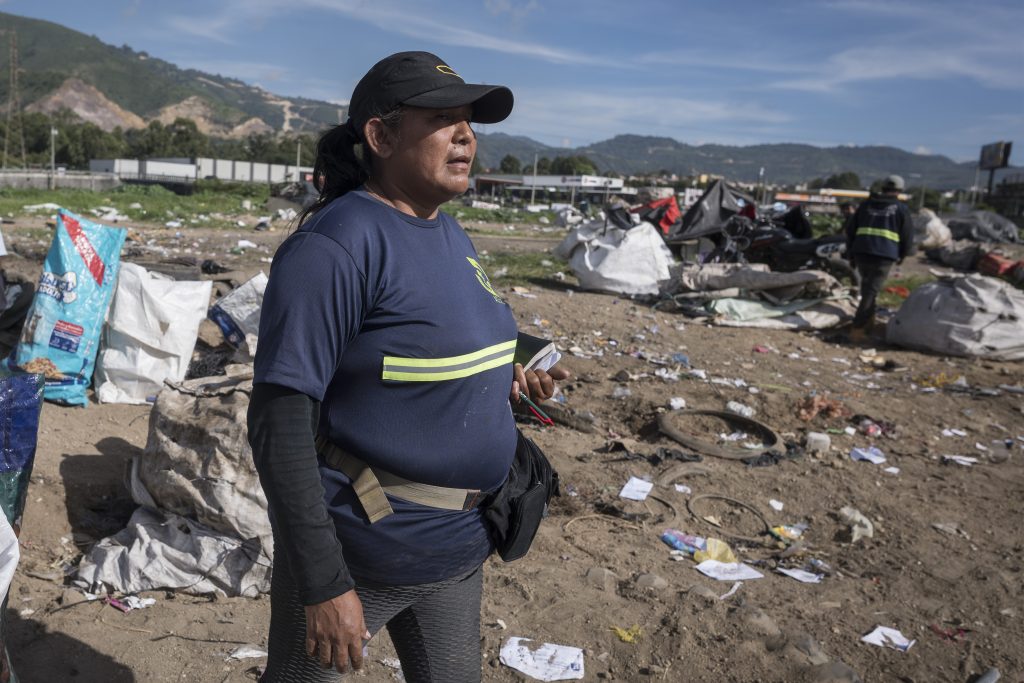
432, 155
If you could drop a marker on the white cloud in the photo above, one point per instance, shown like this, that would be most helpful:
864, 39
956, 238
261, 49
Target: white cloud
921, 149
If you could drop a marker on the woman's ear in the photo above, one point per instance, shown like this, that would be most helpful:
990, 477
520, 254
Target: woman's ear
378, 138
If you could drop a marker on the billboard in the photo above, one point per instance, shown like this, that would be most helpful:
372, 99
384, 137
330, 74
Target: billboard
995, 155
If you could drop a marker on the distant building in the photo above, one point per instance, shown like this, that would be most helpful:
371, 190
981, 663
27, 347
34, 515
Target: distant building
200, 168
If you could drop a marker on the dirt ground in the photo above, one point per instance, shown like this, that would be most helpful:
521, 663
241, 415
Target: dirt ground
598, 562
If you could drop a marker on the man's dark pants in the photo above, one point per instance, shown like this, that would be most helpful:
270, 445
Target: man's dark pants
873, 272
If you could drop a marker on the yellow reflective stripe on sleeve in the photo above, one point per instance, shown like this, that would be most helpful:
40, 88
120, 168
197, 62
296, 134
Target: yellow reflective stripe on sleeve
878, 232
453, 367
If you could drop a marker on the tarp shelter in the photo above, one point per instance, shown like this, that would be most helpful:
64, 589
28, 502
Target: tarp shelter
716, 206
663, 213
972, 315
982, 226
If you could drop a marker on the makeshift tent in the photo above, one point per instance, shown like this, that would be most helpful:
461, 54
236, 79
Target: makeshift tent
716, 206
973, 315
983, 226
610, 259
663, 213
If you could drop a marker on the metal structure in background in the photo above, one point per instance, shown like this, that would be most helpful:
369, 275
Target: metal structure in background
994, 156
15, 120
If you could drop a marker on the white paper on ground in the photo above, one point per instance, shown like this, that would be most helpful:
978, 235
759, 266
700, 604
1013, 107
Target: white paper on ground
683, 488
883, 636
961, 460
892, 470
777, 505
135, 602
543, 661
870, 454
636, 489
728, 571
800, 575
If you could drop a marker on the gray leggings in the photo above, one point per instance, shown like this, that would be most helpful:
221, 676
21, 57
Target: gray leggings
435, 628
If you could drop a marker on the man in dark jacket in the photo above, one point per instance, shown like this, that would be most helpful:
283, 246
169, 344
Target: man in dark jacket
880, 233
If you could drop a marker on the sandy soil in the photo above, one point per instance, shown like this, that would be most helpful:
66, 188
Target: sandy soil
598, 562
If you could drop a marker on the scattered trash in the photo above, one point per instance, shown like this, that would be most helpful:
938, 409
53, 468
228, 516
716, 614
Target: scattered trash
135, 602
676, 403
869, 454
683, 488
990, 676
685, 542
776, 505
816, 442
620, 392
627, 635
884, 636
860, 526
788, 532
892, 470
739, 409
238, 313
247, 652
636, 489
246, 244
960, 460
869, 428
728, 571
815, 405
717, 550
543, 661
800, 575
735, 587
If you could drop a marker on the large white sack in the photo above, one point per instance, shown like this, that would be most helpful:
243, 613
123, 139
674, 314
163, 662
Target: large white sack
932, 232
150, 334
610, 259
974, 315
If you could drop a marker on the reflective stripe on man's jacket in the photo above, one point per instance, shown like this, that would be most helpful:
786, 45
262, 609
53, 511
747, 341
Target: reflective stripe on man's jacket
882, 227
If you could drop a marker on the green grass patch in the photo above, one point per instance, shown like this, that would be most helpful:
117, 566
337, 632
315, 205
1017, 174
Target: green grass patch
524, 268
911, 282
505, 215
825, 224
211, 205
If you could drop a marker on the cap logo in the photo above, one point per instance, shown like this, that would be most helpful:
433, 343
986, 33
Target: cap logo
445, 69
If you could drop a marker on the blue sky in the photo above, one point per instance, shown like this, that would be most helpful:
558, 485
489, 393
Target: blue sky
927, 76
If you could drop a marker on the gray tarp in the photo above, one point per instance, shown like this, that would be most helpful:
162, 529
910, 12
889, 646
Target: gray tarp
203, 524
758, 278
972, 315
982, 226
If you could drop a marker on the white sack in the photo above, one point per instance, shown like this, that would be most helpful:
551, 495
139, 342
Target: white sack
931, 231
150, 334
610, 259
237, 314
974, 315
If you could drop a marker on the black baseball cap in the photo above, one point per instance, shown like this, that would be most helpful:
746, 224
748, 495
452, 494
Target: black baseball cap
421, 79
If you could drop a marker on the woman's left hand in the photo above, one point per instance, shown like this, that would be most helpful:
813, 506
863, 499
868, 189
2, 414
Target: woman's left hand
538, 385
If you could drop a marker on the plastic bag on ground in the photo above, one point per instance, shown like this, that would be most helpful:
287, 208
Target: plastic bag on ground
237, 314
931, 231
150, 334
61, 334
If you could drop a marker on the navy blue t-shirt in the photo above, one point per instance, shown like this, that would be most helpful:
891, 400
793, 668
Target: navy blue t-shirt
392, 324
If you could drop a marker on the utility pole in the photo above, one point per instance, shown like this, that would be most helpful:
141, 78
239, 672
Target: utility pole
533, 188
53, 158
15, 121
298, 158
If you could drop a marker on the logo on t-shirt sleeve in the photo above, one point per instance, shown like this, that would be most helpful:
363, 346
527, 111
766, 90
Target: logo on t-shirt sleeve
484, 281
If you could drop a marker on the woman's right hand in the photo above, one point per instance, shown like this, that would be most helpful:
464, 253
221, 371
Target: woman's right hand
335, 632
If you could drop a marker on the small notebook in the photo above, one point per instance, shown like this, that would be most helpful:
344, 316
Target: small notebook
535, 353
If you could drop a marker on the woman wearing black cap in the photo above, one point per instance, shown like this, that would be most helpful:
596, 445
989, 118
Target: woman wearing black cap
381, 334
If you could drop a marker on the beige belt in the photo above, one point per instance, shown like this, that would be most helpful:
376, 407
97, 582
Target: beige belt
371, 483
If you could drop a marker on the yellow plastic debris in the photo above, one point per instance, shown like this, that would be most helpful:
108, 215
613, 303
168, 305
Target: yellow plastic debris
630, 635
716, 550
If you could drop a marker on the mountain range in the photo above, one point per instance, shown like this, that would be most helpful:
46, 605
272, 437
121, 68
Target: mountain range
121, 87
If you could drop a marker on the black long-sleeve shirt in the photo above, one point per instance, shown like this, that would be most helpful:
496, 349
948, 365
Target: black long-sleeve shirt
282, 424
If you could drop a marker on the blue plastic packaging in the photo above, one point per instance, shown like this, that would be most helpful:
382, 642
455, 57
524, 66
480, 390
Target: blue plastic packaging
62, 331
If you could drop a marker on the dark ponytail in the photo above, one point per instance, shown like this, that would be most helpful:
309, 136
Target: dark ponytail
343, 161
338, 168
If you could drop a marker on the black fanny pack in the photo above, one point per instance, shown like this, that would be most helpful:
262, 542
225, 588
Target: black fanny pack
514, 511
